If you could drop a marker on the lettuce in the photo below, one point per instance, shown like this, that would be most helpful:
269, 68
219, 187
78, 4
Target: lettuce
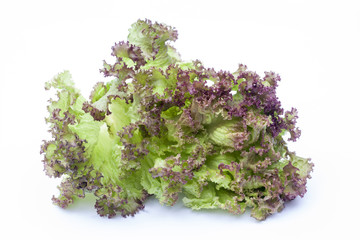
159, 128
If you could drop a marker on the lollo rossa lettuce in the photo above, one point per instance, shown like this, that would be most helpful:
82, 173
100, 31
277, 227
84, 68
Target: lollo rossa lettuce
167, 128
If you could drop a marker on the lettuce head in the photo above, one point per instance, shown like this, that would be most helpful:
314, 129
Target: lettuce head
172, 129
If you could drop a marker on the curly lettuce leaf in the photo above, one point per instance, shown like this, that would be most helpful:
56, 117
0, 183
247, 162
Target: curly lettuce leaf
168, 128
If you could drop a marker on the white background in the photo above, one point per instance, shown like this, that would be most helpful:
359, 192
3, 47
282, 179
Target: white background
313, 45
